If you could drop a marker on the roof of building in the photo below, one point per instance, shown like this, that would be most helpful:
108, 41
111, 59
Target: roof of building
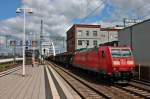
83, 26
109, 29
87, 26
92, 26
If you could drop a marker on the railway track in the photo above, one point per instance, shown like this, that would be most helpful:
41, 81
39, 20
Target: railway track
99, 90
137, 91
140, 86
141, 82
84, 90
9, 71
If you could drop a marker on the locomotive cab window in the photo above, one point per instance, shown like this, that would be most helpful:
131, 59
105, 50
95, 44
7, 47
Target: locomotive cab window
115, 52
126, 52
121, 52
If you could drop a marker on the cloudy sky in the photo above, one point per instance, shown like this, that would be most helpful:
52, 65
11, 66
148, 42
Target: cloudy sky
59, 15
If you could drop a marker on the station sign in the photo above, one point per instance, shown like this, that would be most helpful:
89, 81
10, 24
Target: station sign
14, 43
34, 43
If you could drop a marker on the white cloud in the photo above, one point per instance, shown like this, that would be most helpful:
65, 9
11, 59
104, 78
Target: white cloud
57, 15
131, 9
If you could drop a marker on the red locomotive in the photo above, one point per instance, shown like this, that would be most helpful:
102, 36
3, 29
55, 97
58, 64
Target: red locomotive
109, 61
112, 62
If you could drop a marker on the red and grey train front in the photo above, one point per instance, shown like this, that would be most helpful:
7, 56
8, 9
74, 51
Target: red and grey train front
122, 63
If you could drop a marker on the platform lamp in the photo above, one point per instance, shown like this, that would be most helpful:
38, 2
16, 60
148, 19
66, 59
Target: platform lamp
24, 11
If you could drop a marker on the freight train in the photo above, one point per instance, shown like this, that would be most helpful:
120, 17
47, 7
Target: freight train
111, 62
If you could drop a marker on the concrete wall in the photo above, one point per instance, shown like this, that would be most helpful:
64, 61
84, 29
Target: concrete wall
137, 36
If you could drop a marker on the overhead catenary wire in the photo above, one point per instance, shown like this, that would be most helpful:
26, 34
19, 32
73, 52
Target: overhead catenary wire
88, 3
133, 11
139, 8
146, 16
91, 13
101, 4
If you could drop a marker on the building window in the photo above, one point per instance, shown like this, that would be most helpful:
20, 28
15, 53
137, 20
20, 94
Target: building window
79, 42
87, 33
103, 35
115, 36
95, 42
94, 33
79, 33
87, 42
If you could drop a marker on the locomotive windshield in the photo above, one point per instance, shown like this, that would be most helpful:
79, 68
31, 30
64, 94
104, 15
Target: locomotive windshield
120, 52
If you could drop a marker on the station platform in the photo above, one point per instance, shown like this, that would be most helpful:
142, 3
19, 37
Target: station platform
32, 86
38, 83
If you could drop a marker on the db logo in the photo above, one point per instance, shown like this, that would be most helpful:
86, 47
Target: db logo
123, 61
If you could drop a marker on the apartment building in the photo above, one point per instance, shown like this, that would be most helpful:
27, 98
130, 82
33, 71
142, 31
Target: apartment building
87, 36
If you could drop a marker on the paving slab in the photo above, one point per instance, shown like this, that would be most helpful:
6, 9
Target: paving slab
32, 86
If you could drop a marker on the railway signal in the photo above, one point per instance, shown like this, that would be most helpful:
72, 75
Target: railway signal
44, 51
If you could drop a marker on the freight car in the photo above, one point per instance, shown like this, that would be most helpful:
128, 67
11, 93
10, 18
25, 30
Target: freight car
110, 62
63, 58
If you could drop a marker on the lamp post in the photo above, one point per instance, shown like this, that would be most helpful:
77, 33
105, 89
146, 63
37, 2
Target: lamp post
33, 47
24, 11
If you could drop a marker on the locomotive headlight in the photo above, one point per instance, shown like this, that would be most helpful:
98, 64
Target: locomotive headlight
115, 68
116, 62
130, 62
131, 68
